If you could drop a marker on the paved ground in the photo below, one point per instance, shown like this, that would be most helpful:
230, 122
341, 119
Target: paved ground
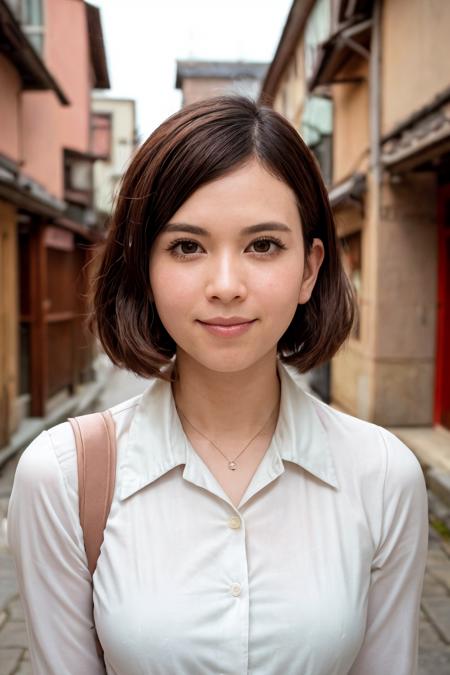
434, 652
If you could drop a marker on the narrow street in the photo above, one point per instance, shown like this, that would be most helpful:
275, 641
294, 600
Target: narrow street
13, 639
435, 615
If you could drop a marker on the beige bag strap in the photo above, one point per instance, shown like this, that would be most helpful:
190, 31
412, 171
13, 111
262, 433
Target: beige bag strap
96, 460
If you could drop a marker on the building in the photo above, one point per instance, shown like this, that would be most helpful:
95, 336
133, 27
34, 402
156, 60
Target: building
51, 57
367, 83
204, 79
114, 138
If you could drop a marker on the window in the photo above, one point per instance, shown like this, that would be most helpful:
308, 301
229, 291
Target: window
317, 30
78, 178
33, 23
30, 15
316, 130
101, 126
317, 119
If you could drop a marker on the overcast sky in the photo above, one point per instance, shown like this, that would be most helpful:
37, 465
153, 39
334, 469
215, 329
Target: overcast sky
145, 37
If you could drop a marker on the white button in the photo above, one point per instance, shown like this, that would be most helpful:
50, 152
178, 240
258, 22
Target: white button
236, 589
234, 522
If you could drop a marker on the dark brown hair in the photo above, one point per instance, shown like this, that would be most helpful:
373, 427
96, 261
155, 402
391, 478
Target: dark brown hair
198, 144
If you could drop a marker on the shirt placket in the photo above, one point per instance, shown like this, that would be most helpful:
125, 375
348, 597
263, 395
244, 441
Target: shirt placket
235, 561
236, 566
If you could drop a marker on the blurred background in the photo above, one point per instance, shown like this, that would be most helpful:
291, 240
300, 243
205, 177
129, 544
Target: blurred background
367, 85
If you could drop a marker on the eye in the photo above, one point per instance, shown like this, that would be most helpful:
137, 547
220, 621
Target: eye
183, 248
188, 248
267, 245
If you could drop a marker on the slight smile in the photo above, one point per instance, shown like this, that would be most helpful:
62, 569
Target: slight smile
224, 328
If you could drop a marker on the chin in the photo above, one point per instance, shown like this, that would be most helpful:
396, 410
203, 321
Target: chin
231, 361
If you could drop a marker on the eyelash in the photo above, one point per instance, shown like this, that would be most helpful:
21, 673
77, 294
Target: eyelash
274, 240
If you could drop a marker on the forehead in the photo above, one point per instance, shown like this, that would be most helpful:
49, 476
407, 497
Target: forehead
247, 195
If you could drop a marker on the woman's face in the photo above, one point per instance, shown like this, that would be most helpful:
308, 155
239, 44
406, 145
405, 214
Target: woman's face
233, 250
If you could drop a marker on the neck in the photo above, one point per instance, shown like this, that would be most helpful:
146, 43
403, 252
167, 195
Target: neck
232, 404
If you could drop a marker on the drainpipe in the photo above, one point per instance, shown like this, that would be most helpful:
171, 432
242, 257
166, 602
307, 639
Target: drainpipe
375, 102
375, 183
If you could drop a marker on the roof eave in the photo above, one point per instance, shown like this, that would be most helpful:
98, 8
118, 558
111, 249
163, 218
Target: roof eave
97, 48
16, 47
336, 51
419, 140
349, 190
293, 29
199, 69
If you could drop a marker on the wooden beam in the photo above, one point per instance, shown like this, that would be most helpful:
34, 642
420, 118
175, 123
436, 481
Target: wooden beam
38, 328
9, 371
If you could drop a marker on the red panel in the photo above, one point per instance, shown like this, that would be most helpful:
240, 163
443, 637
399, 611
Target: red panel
442, 393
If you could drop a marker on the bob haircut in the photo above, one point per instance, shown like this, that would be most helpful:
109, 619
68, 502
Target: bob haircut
196, 145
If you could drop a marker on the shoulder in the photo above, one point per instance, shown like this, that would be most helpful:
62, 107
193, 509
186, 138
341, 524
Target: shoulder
368, 447
37, 467
52, 454
377, 473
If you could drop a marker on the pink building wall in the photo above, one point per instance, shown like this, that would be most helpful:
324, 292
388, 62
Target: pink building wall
42, 149
10, 87
68, 59
47, 126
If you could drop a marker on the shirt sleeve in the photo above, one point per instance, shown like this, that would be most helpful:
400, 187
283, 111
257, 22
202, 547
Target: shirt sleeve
391, 638
45, 539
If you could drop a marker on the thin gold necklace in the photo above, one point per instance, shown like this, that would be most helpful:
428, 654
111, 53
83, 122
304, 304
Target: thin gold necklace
232, 464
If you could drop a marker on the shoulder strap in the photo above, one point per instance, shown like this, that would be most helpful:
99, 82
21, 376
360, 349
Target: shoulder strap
96, 460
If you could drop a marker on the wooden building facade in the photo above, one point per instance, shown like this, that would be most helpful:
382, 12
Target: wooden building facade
367, 84
48, 222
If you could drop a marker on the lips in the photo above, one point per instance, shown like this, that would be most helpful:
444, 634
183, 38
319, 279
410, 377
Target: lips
230, 327
230, 321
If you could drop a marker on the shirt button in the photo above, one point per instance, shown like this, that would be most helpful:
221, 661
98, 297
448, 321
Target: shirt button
234, 522
236, 589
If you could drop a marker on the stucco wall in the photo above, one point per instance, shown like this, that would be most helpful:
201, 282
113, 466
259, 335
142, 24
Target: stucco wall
10, 86
415, 63
108, 173
351, 377
406, 308
42, 148
67, 57
352, 367
350, 122
388, 375
48, 127
290, 95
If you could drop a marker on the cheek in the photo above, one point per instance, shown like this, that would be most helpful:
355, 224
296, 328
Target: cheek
172, 289
280, 287
275, 286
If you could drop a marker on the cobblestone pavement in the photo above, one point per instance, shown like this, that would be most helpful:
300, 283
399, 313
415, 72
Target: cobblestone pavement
434, 645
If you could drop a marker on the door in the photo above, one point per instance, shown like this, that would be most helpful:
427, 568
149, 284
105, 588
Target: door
48, 313
442, 394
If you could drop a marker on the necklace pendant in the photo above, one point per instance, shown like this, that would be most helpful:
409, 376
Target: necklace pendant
232, 466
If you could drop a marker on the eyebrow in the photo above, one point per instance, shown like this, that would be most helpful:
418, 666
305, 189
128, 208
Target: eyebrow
251, 229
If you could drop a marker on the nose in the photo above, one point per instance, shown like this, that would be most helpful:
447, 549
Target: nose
225, 279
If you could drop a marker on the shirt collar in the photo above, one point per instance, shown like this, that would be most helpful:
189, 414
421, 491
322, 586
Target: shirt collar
157, 443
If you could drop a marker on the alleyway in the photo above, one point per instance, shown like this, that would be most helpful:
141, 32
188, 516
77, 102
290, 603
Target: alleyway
13, 639
435, 616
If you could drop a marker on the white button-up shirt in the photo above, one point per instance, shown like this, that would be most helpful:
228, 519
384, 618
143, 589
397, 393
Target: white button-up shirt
318, 571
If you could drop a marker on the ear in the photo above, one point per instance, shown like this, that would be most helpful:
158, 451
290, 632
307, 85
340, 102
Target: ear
311, 270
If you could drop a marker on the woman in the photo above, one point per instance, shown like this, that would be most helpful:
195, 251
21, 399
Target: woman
253, 528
